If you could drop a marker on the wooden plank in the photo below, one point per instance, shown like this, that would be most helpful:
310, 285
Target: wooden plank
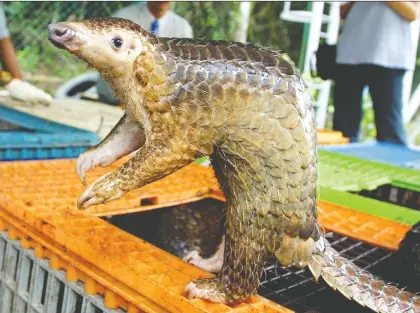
92, 116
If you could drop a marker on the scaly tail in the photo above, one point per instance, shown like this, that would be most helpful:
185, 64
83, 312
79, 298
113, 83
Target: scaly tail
359, 285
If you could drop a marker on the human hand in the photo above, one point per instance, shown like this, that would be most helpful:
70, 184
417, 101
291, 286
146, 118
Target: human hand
25, 91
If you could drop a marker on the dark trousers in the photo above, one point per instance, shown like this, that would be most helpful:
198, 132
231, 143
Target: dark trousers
386, 89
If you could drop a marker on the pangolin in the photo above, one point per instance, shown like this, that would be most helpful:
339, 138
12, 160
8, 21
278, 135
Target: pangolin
249, 110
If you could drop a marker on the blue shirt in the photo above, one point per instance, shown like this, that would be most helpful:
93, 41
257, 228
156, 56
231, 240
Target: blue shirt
373, 33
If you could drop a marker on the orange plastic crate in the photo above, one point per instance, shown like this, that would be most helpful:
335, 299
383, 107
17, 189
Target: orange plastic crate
195, 182
364, 227
330, 137
189, 184
38, 207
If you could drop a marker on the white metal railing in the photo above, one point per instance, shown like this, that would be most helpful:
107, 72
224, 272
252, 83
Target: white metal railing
317, 18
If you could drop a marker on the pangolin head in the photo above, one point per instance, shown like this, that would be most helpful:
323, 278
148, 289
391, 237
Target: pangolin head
109, 45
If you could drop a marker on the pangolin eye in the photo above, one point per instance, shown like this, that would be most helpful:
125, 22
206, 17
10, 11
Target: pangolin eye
117, 42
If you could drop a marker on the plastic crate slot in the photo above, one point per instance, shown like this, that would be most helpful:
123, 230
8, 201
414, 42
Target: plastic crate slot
44, 286
3, 245
397, 195
149, 201
60, 300
79, 303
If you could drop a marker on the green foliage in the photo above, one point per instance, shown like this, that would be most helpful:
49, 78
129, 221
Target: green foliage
28, 24
268, 30
28, 21
209, 20
217, 20
367, 127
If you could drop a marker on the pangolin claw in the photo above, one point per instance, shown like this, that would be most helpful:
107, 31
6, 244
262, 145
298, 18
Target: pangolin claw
205, 289
82, 167
102, 191
91, 159
88, 198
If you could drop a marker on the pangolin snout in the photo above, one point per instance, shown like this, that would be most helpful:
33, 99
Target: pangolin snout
65, 36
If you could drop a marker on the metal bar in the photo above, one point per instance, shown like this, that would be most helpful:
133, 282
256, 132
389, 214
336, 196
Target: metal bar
10, 264
19, 305
2, 253
37, 283
19, 302
51, 298
70, 301
24, 267
6, 299
8, 286
87, 307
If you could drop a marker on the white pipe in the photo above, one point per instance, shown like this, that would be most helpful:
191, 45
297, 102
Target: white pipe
241, 31
314, 32
334, 23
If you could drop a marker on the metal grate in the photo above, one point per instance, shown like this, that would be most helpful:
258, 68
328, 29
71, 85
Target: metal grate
29, 285
297, 290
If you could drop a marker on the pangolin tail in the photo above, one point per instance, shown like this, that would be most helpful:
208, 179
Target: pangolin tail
357, 284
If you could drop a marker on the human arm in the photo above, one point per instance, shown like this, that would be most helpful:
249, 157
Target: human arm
8, 58
16, 87
345, 9
7, 51
406, 9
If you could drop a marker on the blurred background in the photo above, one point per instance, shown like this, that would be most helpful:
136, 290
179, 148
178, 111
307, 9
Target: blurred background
269, 24
369, 192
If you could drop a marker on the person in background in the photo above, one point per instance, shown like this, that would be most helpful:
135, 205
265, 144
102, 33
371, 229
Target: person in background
155, 17
14, 83
376, 48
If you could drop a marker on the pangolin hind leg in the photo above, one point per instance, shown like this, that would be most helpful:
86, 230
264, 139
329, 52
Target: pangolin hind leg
126, 137
239, 278
244, 254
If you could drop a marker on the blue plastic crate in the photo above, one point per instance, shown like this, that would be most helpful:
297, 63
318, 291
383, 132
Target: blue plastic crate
34, 138
388, 153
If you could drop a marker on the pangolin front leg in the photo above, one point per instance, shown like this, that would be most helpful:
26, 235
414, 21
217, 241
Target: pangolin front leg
126, 137
152, 162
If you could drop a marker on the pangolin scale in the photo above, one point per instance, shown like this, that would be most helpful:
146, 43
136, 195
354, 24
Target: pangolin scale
249, 110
